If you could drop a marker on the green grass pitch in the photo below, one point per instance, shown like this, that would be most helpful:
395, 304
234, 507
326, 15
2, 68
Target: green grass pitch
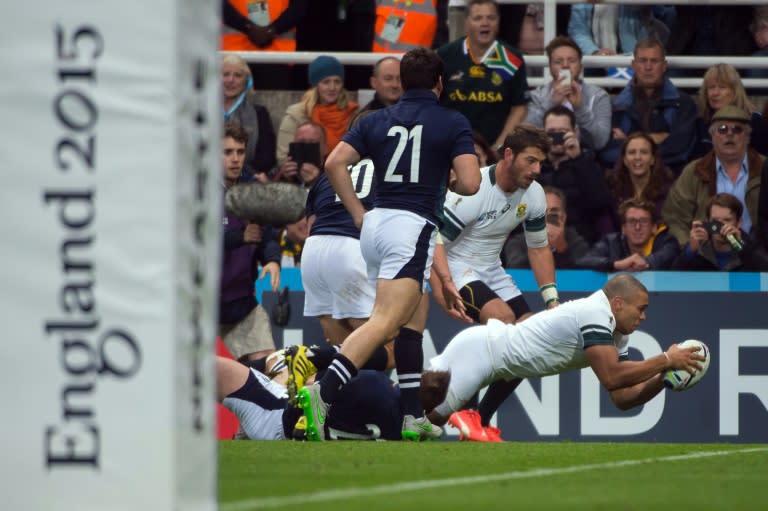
374, 476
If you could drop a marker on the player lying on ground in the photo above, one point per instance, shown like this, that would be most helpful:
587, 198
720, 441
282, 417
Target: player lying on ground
592, 331
368, 407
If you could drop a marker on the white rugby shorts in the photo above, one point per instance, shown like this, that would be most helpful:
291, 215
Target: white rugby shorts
468, 360
335, 278
396, 244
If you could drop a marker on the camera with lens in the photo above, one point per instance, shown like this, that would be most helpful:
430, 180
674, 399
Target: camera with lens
712, 227
304, 152
557, 137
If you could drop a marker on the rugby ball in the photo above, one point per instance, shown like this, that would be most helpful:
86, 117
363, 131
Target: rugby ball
680, 379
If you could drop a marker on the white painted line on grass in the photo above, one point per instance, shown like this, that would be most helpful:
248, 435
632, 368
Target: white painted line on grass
385, 489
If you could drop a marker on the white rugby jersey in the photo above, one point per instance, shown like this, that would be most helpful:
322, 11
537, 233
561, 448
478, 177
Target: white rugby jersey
476, 227
553, 341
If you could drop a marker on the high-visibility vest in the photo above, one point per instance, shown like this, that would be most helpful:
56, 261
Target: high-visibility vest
402, 25
262, 13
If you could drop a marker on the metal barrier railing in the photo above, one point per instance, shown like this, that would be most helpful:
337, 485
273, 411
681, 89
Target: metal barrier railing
366, 58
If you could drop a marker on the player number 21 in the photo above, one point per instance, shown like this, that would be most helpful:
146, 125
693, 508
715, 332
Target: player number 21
404, 137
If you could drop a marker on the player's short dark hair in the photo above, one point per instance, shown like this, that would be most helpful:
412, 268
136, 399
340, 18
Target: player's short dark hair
236, 132
420, 68
433, 389
624, 285
728, 201
562, 111
560, 41
524, 136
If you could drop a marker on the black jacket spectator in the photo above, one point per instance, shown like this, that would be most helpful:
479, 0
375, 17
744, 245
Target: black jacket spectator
613, 247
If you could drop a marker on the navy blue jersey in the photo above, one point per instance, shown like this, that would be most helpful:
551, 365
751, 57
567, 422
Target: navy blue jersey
367, 408
412, 144
331, 217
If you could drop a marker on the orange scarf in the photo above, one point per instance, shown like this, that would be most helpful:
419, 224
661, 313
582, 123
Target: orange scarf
335, 121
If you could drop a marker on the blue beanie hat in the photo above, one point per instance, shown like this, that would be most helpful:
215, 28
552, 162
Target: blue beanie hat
323, 67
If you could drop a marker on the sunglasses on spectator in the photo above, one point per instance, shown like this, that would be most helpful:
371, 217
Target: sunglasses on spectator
643, 222
736, 129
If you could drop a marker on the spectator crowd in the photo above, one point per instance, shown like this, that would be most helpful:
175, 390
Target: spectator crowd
648, 148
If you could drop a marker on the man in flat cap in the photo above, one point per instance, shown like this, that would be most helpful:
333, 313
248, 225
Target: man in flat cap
730, 167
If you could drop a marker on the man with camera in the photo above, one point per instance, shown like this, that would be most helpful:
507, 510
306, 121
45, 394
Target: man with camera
574, 170
718, 243
304, 162
731, 167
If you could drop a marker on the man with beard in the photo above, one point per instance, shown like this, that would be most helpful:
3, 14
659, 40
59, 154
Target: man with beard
474, 233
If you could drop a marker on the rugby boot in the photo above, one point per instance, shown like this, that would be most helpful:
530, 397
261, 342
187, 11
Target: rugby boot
469, 426
299, 369
315, 411
419, 429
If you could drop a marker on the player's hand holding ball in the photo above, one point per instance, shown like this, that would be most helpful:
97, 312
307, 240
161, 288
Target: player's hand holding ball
689, 362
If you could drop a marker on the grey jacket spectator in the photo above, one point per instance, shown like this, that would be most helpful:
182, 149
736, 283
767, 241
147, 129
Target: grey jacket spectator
590, 104
593, 118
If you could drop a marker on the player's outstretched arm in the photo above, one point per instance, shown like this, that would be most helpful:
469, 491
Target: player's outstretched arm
614, 374
467, 170
636, 395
